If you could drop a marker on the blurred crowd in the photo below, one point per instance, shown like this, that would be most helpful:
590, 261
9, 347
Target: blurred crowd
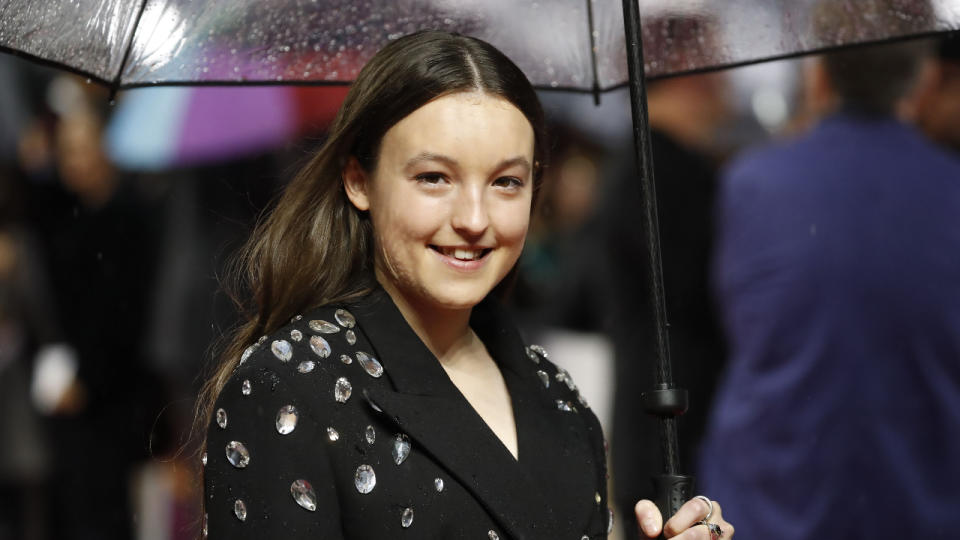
111, 266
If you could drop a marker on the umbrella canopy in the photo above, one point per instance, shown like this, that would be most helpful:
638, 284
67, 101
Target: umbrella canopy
563, 44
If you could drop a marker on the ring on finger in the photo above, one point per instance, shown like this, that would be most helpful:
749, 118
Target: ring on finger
709, 506
715, 531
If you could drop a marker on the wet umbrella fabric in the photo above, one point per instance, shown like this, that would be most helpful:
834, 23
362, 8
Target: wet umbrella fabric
566, 44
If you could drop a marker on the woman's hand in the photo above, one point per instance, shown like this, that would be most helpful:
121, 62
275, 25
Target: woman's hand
686, 524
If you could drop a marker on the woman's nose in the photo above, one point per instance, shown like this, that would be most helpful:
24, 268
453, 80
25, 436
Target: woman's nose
470, 217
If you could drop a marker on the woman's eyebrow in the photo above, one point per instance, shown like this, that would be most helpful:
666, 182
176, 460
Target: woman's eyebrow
450, 162
430, 156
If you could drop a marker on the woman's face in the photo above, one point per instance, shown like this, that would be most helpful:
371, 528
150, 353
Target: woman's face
449, 199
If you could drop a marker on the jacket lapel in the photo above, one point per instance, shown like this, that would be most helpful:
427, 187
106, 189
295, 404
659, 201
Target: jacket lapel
427, 406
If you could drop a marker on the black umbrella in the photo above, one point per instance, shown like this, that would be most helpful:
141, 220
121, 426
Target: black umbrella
573, 45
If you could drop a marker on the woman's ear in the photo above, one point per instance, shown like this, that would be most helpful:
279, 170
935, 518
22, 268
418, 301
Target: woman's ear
355, 183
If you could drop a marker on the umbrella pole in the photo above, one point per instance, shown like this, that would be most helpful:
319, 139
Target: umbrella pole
665, 401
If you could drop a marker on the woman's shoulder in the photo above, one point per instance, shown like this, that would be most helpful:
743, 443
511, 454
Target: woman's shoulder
310, 358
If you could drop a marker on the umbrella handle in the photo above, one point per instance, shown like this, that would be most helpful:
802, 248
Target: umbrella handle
670, 492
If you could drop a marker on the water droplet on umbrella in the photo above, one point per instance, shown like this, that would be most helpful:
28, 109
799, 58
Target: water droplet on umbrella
351, 337
306, 366
281, 349
240, 509
237, 454
324, 327
303, 493
319, 346
286, 419
365, 479
540, 351
345, 318
401, 448
370, 435
246, 388
342, 390
332, 434
438, 484
369, 364
406, 519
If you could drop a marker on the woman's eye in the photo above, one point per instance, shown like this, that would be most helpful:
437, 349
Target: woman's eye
509, 182
430, 178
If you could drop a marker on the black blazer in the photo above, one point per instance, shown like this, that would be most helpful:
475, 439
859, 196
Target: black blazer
354, 423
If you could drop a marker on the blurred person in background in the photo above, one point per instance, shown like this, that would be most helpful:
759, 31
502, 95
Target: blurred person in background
938, 110
98, 242
686, 115
837, 276
26, 325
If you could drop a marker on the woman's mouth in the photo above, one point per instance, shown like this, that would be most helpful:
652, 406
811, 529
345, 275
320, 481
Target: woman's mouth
462, 254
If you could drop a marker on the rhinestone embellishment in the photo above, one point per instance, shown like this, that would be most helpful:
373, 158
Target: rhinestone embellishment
342, 390
333, 435
203, 459
345, 318
281, 349
365, 479
401, 449
370, 364
370, 435
406, 520
245, 388
322, 326
222, 418
438, 484
346, 359
303, 493
351, 337
240, 509
532, 356
296, 335
247, 352
286, 419
544, 378
492, 535
306, 366
319, 346
564, 406
237, 454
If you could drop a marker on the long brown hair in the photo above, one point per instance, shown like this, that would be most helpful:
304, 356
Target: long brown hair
316, 248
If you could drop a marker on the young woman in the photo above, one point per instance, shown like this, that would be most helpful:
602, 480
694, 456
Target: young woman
389, 395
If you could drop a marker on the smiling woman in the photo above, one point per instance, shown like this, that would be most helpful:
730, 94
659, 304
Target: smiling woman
377, 389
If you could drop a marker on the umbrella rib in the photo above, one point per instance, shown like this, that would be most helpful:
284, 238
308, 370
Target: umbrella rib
115, 85
593, 53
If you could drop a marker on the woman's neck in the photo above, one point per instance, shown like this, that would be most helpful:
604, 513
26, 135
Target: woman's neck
446, 332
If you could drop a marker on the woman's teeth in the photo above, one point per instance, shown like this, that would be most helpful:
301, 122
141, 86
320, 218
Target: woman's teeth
462, 254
